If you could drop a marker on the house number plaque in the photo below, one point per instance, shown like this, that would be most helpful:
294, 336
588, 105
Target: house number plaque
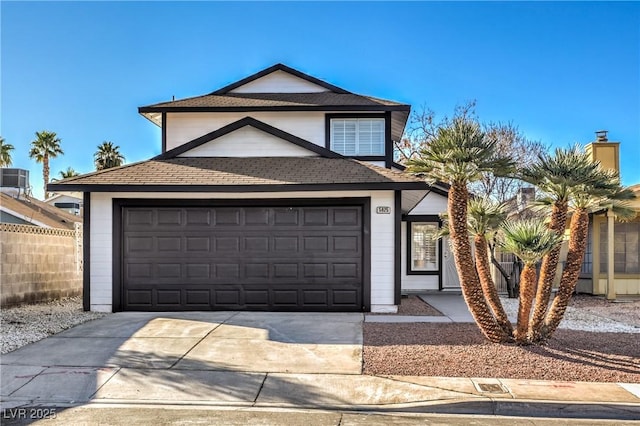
383, 210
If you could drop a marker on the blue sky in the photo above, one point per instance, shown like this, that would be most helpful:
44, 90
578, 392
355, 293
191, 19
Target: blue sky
559, 71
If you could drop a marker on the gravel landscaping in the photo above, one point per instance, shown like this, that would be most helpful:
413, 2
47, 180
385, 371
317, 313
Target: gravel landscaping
22, 325
598, 341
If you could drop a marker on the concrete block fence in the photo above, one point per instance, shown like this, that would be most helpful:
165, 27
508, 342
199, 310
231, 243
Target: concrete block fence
39, 264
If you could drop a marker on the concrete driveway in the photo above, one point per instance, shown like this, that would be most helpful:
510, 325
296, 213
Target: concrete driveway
223, 356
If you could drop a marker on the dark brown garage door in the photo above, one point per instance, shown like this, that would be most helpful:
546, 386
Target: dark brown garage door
290, 258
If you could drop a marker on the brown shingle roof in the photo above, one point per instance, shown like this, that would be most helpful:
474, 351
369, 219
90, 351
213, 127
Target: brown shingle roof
39, 211
241, 174
267, 100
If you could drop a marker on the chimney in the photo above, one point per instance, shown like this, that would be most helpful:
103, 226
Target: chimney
605, 151
525, 196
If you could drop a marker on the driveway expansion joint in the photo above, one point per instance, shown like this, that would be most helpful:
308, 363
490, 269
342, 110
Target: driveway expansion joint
199, 341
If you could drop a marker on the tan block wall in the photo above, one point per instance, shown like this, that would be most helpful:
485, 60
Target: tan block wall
38, 265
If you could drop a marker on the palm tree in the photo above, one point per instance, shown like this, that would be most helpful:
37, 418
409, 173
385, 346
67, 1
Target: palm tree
107, 156
604, 193
458, 154
70, 172
563, 177
5, 153
485, 217
45, 146
530, 240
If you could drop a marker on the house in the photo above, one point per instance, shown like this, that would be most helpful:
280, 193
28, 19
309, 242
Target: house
276, 192
17, 207
611, 266
71, 203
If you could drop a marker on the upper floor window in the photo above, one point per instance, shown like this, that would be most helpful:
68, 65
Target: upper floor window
357, 136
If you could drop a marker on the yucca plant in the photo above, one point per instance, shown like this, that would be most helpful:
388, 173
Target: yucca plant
530, 240
561, 177
603, 194
458, 154
485, 217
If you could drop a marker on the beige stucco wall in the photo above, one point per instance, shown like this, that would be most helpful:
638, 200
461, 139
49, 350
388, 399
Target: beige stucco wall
38, 264
626, 284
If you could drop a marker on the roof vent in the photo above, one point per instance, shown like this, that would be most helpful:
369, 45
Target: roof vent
601, 136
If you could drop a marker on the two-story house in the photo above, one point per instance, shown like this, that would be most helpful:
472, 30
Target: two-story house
277, 192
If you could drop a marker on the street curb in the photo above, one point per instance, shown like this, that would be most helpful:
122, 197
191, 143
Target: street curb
474, 406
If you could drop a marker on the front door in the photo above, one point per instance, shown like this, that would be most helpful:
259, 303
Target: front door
450, 279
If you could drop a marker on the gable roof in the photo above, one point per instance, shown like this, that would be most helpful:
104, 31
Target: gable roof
334, 99
238, 174
37, 212
257, 124
274, 68
309, 101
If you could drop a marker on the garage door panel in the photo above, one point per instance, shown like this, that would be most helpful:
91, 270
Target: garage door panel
169, 216
198, 298
228, 216
346, 216
245, 258
289, 217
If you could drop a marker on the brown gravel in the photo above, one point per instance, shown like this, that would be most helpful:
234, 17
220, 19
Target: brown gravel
415, 306
459, 350
627, 311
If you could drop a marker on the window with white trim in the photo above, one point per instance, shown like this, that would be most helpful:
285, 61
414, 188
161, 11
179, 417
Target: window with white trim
357, 136
424, 246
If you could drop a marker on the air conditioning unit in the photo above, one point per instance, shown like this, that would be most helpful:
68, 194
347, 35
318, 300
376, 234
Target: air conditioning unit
14, 182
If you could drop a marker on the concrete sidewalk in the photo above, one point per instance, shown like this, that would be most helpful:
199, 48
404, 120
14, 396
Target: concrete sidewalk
266, 361
28, 386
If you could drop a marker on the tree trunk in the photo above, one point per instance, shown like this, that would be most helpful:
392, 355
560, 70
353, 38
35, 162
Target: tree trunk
577, 246
528, 279
488, 286
469, 281
548, 271
45, 174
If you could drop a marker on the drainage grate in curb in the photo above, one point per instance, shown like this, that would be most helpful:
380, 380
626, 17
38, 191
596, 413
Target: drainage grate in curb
490, 388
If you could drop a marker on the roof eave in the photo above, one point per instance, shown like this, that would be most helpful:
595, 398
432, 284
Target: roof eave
160, 109
237, 188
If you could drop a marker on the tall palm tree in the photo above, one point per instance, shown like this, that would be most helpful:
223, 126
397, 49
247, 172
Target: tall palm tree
70, 172
5, 153
485, 217
560, 176
458, 154
530, 240
45, 146
107, 156
606, 193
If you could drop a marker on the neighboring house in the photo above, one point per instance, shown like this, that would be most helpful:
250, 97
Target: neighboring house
625, 281
276, 192
611, 265
71, 202
41, 255
29, 211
